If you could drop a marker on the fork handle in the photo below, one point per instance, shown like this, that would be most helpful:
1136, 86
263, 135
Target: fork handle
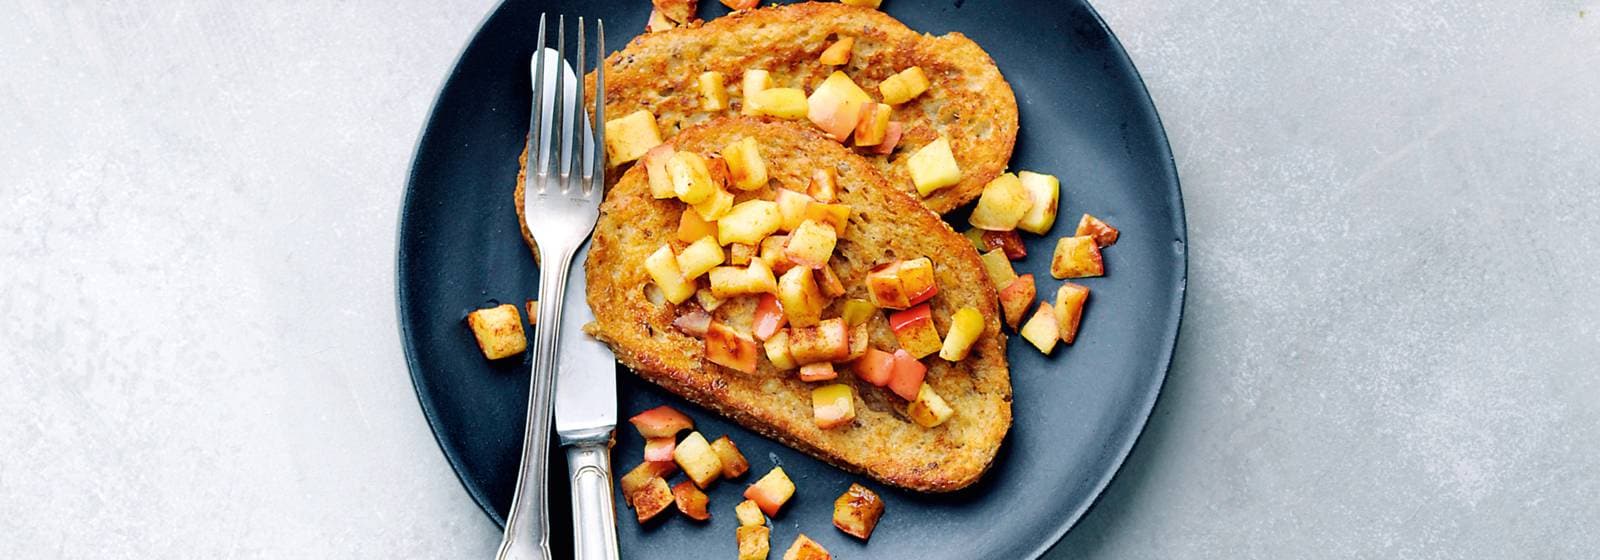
527, 535
594, 527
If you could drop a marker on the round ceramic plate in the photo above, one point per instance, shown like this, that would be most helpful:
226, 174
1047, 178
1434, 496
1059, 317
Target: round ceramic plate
1086, 118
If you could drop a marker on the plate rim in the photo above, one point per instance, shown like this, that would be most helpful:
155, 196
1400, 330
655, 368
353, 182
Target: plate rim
1145, 104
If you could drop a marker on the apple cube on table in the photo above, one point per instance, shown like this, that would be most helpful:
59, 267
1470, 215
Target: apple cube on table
754, 540
771, 491
661, 421
698, 461
658, 449
1069, 309
1002, 205
1041, 329
641, 476
1016, 297
929, 409
628, 137
498, 330
1045, 192
856, 512
833, 405
915, 331
1077, 257
934, 167
734, 464
662, 266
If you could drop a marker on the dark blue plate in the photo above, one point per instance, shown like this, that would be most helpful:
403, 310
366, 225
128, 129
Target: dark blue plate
1086, 118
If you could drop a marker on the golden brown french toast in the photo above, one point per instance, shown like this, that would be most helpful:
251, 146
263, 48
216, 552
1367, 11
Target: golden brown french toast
885, 224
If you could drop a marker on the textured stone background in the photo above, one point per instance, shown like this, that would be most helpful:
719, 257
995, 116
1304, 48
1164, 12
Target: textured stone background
1390, 348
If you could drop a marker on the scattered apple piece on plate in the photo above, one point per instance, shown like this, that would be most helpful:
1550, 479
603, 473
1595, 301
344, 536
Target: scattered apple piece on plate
1077, 257
691, 501
771, 491
1041, 329
734, 464
1069, 309
698, 461
498, 330
857, 511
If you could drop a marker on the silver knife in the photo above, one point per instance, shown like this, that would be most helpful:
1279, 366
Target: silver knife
586, 416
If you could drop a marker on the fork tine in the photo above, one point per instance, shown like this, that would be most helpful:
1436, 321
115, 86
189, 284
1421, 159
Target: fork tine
579, 116
535, 139
558, 163
599, 169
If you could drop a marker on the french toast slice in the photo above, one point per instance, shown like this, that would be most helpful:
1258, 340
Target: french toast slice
885, 224
968, 100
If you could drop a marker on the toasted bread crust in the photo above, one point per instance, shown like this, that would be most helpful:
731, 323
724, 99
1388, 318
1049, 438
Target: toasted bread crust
885, 224
968, 101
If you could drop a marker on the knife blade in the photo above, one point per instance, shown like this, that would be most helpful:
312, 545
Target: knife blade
586, 374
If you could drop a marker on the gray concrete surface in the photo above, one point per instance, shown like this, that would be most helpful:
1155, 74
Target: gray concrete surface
1390, 348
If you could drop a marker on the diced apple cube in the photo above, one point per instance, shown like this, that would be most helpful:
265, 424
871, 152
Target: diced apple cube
835, 105
749, 222
836, 215
628, 137
802, 301
934, 167
928, 409
857, 311
837, 54
651, 499
741, 5
691, 501
1077, 257
713, 92
691, 179
1003, 203
768, 317
700, 257
917, 279
976, 236
746, 168
999, 268
873, 125
1016, 297
662, 266
860, 339
783, 103
828, 341
691, 227
904, 86
1045, 192
833, 405
792, 206
1007, 241
694, 323
730, 348
820, 371
856, 512
659, 448
716, 206
532, 306
806, 549
906, 380
810, 245
1069, 309
655, 166
966, 324
771, 492
771, 253
875, 367
749, 514
1041, 330
698, 461
753, 539
915, 331
734, 464
739, 254
731, 281
661, 422
891, 139
824, 185
754, 81
498, 330
1104, 235
884, 287
829, 282
658, 22
641, 476
777, 349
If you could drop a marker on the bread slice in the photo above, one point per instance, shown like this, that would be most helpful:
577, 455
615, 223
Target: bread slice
968, 100
885, 224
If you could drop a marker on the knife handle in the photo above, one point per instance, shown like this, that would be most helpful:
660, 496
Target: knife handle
594, 527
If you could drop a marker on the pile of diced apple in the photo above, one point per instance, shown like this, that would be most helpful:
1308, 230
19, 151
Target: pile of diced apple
645, 487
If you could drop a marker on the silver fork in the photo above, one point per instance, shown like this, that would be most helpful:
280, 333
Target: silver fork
562, 204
